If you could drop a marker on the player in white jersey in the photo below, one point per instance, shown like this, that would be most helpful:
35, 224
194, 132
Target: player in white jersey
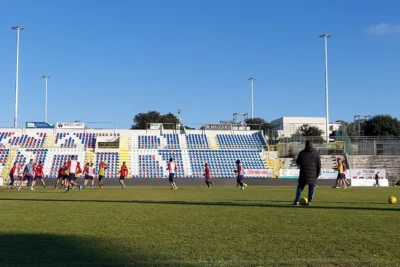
171, 169
89, 174
20, 175
74, 169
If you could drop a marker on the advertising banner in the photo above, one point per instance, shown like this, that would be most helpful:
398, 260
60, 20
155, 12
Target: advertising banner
218, 126
368, 182
70, 125
41, 125
332, 174
289, 173
259, 173
366, 174
155, 126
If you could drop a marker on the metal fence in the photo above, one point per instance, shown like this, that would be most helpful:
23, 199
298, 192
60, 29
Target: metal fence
290, 147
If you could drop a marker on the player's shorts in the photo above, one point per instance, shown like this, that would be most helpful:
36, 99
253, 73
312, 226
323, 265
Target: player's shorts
72, 177
101, 177
20, 178
28, 178
64, 177
342, 176
89, 177
122, 178
208, 180
171, 177
37, 177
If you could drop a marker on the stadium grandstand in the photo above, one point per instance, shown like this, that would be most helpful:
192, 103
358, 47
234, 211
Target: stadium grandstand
146, 152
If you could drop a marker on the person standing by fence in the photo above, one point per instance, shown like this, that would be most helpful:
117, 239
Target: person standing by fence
377, 179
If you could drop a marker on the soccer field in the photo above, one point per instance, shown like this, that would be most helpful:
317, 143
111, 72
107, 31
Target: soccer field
196, 226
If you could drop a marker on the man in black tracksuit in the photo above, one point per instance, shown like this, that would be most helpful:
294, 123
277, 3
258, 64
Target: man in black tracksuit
310, 168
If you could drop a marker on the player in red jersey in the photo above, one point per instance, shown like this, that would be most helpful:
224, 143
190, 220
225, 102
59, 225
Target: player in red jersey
85, 174
240, 175
12, 174
61, 176
207, 176
39, 175
123, 174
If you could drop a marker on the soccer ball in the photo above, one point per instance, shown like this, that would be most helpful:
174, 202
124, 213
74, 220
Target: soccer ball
304, 201
392, 200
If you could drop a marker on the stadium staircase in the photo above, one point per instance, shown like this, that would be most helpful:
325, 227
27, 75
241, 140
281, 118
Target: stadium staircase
389, 162
330, 161
50, 141
182, 141
125, 155
90, 156
274, 164
186, 162
213, 142
7, 167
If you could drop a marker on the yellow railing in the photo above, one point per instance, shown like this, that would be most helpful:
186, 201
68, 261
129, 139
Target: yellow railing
275, 164
213, 142
89, 156
7, 167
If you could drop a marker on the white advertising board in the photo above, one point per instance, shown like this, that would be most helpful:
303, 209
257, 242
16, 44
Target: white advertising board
368, 182
70, 125
259, 173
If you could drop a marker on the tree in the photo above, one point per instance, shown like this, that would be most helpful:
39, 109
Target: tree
307, 130
312, 133
381, 125
142, 119
257, 122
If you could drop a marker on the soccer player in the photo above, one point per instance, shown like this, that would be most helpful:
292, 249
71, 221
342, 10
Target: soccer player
39, 175
61, 176
29, 172
342, 174
102, 171
73, 169
310, 169
207, 176
240, 175
20, 175
123, 174
91, 174
12, 174
85, 174
171, 169
377, 179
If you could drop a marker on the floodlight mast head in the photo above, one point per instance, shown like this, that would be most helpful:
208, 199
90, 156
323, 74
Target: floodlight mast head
325, 35
20, 28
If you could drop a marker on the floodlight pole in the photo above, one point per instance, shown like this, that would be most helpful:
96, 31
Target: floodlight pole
252, 96
45, 102
325, 36
18, 29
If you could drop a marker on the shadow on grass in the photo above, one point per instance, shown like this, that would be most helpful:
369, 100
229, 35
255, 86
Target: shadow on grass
57, 250
318, 202
196, 203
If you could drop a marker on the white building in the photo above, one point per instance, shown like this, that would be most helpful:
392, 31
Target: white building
287, 126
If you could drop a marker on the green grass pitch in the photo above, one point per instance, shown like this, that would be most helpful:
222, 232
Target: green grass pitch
196, 226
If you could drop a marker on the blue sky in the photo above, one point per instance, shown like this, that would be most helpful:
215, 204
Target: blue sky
112, 59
